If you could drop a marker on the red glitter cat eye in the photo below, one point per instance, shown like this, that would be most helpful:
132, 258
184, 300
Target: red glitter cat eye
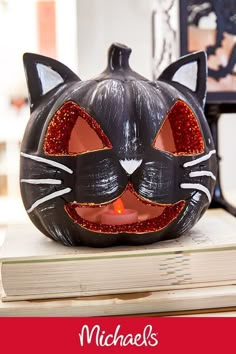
180, 133
73, 131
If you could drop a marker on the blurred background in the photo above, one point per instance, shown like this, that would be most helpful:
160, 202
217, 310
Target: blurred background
78, 33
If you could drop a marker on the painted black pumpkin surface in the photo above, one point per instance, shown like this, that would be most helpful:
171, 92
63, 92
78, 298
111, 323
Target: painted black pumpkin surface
117, 139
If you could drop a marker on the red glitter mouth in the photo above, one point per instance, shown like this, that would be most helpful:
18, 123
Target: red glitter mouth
152, 217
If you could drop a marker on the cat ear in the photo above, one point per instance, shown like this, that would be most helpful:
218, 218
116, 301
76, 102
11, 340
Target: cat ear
191, 72
43, 74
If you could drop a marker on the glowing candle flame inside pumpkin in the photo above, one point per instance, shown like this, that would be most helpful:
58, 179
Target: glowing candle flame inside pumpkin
119, 215
118, 206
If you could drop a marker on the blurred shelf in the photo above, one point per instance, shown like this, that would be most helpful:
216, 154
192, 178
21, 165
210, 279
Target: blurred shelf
13, 130
230, 196
12, 211
13, 123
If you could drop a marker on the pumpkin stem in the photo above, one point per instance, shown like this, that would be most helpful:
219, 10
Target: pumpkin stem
118, 57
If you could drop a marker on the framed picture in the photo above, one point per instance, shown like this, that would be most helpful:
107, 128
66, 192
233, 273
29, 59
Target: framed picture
210, 25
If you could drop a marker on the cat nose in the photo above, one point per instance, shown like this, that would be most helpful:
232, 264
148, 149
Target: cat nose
130, 165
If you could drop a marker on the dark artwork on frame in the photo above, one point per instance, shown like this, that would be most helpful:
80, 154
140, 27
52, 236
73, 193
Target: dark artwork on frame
211, 26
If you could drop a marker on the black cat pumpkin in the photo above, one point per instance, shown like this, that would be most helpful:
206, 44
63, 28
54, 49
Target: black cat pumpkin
116, 141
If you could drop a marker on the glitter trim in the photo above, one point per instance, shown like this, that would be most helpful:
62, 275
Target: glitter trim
185, 128
60, 128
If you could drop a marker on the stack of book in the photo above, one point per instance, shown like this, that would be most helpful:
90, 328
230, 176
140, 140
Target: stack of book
196, 271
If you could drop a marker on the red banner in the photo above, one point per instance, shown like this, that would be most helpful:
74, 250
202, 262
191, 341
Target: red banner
117, 335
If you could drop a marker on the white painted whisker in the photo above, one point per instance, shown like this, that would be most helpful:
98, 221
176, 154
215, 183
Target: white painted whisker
200, 159
48, 197
202, 173
48, 162
41, 181
197, 186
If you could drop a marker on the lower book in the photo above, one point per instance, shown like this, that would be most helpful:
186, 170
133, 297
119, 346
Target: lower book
207, 301
34, 267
